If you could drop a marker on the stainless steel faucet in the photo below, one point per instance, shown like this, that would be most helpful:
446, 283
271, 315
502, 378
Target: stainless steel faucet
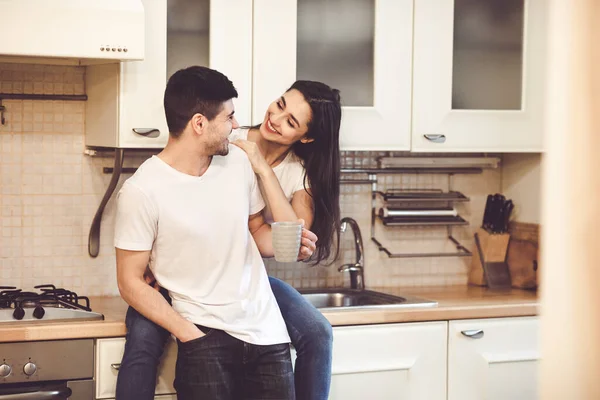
356, 270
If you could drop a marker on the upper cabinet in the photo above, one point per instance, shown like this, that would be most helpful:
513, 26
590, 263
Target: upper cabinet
479, 75
363, 48
420, 75
125, 101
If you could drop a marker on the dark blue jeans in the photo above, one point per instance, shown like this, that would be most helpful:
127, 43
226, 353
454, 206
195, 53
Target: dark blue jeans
311, 335
219, 366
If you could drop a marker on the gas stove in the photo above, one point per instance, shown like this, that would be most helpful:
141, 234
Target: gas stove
47, 304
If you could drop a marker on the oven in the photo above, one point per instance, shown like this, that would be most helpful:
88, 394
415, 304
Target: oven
47, 370
51, 369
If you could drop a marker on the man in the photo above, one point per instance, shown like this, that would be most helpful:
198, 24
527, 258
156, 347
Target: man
195, 218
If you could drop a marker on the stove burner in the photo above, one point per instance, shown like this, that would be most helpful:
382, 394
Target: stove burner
49, 296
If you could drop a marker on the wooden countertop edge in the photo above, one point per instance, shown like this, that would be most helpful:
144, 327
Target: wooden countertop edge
339, 318
73, 330
106, 329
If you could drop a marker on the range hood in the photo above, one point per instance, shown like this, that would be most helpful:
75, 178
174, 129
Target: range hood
79, 32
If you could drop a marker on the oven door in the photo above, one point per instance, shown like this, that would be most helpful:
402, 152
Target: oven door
71, 390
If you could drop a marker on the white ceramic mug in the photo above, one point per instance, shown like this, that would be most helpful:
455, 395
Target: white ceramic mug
286, 240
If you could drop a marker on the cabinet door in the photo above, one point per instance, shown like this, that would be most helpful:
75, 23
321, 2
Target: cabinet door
142, 116
493, 359
395, 361
109, 353
231, 49
479, 75
363, 48
217, 34
125, 101
184, 33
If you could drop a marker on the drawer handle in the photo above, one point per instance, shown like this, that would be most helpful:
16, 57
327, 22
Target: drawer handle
436, 138
147, 132
115, 366
44, 393
473, 334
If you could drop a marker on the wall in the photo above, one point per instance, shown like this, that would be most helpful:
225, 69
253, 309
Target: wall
521, 182
50, 192
381, 270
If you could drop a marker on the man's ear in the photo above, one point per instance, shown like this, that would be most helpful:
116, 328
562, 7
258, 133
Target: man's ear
198, 123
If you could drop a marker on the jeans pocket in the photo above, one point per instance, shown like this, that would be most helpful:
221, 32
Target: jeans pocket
191, 343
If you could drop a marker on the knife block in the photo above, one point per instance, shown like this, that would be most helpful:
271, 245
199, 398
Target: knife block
494, 247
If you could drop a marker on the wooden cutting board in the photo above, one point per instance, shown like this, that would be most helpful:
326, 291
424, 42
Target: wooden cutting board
523, 255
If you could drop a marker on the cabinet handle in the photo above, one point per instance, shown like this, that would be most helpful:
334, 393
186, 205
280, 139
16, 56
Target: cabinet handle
115, 366
436, 138
147, 132
473, 334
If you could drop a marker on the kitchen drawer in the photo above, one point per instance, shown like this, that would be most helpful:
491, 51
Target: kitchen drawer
109, 353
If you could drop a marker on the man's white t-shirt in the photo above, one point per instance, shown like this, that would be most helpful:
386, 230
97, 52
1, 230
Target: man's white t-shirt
202, 250
290, 172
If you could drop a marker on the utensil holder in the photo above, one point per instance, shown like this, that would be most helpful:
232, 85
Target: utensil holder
494, 248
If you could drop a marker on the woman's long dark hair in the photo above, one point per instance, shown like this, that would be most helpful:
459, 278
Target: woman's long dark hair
321, 159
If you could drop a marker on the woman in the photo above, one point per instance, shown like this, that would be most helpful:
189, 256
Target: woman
295, 154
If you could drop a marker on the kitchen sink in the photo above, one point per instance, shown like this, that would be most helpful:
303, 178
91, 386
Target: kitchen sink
338, 299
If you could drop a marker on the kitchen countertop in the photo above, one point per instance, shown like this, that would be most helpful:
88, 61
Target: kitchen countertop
454, 302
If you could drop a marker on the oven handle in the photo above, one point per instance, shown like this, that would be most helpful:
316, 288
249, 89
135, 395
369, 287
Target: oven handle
58, 393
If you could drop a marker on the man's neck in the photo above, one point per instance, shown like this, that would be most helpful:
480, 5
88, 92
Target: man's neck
185, 158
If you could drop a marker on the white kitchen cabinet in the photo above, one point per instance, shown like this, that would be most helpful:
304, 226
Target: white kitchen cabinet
394, 361
479, 75
109, 353
465, 359
364, 49
125, 101
493, 359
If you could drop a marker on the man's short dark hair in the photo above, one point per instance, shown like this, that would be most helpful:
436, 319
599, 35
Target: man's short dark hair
195, 90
